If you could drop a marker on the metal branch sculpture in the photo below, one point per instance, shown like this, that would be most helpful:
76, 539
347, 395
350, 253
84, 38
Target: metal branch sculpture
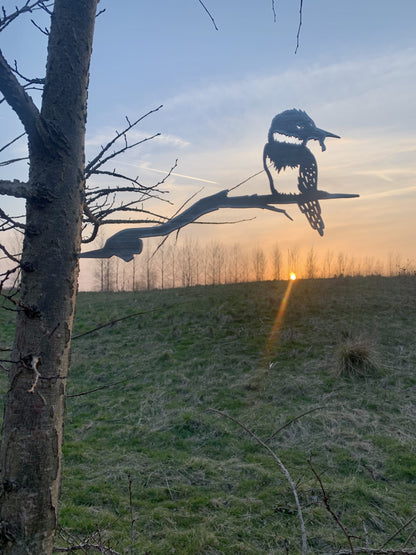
293, 124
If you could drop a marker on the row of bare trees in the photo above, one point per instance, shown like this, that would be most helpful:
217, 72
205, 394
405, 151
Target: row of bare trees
187, 263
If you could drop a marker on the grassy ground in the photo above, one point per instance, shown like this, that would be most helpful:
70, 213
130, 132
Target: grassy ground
199, 483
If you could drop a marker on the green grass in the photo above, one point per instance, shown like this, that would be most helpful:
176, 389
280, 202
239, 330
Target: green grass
200, 484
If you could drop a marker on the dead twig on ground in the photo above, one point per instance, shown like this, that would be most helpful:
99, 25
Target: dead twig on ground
328, 507
282, 467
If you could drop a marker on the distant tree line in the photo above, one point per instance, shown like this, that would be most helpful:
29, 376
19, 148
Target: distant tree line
187, 263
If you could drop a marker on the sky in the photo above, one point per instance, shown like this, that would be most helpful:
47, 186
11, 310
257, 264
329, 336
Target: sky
354, 73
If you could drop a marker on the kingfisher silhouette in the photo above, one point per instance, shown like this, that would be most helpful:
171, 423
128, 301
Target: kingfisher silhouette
286, 147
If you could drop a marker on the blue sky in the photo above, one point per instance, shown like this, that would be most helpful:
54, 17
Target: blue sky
354, 73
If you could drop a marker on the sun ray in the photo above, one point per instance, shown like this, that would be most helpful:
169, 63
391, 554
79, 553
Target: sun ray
277, 324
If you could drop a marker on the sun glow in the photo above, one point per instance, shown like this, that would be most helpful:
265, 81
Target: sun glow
292, 276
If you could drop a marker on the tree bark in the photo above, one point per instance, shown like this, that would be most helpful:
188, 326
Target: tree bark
31, 456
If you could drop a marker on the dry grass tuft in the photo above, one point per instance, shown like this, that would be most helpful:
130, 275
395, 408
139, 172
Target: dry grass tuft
357, 356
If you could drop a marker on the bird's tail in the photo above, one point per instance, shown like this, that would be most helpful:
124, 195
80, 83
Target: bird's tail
312, 211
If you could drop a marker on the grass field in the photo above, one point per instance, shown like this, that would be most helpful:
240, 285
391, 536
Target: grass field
149, 450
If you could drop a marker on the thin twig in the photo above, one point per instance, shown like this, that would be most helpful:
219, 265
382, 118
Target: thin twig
9, 255
85, 547
101, 326
300, 25
27, 8
411, 535
12, 141
328, 507
282, 467
375, 551
397, 532
245, 180
210, 16
274, 12
132, 519
85, 544
291, 422
13, 161
175, 214
101, 387
98, 160
29, 81
44, 31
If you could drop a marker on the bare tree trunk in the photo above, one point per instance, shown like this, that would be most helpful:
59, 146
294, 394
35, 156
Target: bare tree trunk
31, 457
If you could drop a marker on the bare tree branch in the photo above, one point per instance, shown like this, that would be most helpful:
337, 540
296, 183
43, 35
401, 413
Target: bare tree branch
99, 159
13, 161
17, 97
105, 386
328, 507
44, 31
29, 7
93, 194
286, 424
12, 141
121, 176
132, 519
85, 547
93, 169
376, 551
15, 188
5, 277
29, 80
300, 25
7, 222
209, 14
300, 21
274, 11
98, 206
397, 532
9, 255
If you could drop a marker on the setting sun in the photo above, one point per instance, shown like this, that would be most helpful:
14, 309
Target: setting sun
293, 276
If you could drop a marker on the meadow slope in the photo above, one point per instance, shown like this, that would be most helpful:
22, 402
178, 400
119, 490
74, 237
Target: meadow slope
198, 483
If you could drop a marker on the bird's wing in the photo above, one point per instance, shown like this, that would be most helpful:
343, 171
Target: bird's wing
308, 183
308, 172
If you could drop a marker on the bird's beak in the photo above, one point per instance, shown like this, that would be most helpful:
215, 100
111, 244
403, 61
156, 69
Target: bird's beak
320, 135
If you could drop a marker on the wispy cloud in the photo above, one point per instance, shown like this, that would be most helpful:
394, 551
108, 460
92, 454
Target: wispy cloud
148, 168
389, 174
403, 191
370, 91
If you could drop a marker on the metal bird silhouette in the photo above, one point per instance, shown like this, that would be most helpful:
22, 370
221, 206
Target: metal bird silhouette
297, 126
290, 125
